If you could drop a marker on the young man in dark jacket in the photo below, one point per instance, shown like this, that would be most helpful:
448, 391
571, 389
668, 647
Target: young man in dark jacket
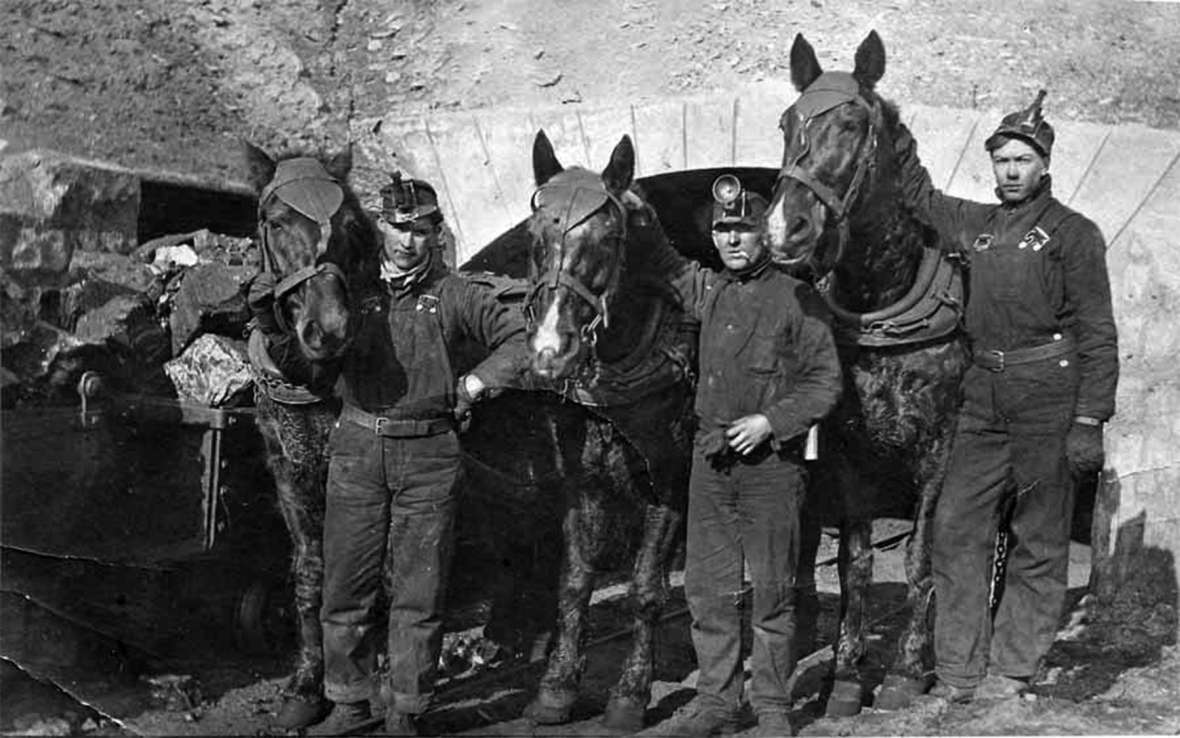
768, 371
1042, 384
395, 461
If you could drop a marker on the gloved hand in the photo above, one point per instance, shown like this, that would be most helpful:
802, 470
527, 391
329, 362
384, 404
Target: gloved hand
260, 298
714, 446
1083, 449
468, 390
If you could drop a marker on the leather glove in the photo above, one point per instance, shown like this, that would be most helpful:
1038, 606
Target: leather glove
714, 446
1083, 449
260, 298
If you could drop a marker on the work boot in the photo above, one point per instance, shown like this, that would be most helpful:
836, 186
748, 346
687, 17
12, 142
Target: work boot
699, 718
1000, 687
952, 694
399, 723
301, 711
345, 718
774, 724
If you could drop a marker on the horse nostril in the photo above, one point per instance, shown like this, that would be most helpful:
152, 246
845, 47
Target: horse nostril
313, 335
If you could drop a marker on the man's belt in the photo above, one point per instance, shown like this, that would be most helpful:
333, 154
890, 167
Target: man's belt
998, 361
396, 427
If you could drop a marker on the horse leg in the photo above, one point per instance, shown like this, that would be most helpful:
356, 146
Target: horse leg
559, 686
856, 574
909, 676
302, 505
649, 592
806, 597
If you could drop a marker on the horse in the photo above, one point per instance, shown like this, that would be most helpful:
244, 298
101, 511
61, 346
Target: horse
606, 336
837, 217
315, 241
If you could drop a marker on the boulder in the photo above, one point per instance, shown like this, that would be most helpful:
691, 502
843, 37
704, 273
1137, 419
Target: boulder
127, 325
209, 299
213, 371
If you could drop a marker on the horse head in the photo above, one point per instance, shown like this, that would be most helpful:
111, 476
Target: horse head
580, 227
315, 240
837, 154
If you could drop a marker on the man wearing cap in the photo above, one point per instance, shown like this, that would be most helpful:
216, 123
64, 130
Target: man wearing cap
768, 371
395, 460
1042, 383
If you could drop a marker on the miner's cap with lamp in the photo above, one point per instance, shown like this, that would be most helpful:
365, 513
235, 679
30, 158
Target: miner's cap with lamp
404, 201
733, 203
1028, 125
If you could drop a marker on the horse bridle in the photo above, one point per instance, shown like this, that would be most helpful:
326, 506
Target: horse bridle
866, 164
298, 189
555, 277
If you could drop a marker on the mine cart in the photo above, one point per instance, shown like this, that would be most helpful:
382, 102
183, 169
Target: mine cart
143, 523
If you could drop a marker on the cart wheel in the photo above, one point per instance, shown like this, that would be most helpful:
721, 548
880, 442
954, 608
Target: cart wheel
262, 622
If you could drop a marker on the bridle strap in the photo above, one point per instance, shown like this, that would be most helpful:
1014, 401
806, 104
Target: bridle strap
866, 163
298, 277
555, 277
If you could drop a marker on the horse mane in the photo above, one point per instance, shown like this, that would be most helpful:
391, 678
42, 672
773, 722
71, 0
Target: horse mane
893, 233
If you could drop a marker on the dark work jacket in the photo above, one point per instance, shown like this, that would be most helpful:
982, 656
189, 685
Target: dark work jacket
766, 346
1024, 296
405, 359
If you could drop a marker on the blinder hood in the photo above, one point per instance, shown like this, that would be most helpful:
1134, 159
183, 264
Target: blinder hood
304, 184
571, 197
826, 92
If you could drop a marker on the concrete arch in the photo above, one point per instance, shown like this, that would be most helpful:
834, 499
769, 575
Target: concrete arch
1125, 178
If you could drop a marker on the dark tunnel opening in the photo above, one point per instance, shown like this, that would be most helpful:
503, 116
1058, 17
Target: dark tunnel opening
173, 207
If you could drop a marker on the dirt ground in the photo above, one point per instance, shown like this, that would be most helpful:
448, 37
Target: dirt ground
173, 84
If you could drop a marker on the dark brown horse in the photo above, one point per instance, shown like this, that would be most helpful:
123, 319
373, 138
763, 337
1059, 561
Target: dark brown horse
837, 215
605, 335
315, 241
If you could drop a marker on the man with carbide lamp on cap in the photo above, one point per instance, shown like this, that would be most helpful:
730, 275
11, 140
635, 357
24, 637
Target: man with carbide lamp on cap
768, 372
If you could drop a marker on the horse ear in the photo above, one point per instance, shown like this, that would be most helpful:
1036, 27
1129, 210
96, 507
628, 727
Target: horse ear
621, 170
260, 168
804, 65
545, 163
870, 60
341, 164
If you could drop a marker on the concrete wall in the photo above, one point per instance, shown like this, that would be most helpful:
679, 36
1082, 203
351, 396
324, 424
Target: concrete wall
1125, 178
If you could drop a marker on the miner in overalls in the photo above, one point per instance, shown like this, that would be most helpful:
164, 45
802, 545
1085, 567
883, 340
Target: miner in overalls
395, 460
1042, 383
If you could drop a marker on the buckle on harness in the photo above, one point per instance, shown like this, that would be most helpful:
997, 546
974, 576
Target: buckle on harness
998, 358
378, 424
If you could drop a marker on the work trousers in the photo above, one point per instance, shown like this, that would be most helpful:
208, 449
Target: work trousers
744, 513
1010, 441
391, 509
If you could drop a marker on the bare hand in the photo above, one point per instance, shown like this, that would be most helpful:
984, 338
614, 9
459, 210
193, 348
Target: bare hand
746, 433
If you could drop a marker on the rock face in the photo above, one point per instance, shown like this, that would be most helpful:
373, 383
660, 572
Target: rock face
78, 292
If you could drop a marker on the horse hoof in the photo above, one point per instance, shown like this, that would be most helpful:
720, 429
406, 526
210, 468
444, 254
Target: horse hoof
898, 692
550, 709
302, 711
624, 715
846, 699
